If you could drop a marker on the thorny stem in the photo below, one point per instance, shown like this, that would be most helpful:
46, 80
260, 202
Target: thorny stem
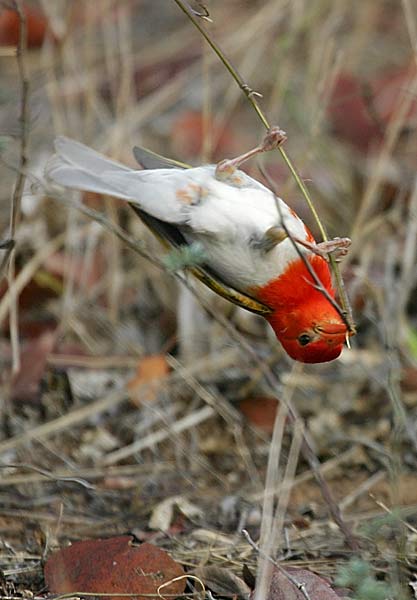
251, 96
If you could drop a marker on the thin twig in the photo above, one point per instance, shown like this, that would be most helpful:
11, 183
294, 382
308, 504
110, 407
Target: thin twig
137, 246
251, 96
49, 474
273, 523
20, 181
249, 93
8, 246
65, 421
293, 580
187, 422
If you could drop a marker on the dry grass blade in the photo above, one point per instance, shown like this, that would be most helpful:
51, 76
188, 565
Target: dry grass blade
267, 540
370, 198
188, 422
27, 273
66, 421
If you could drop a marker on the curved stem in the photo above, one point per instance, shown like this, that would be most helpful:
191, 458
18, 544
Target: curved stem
251, 96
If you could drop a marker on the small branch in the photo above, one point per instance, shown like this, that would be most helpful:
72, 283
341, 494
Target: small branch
23, 118
20, 181
135, 245
8, 246
249, 93
48, 474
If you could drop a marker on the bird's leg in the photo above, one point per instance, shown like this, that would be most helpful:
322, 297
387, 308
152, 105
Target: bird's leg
272, 237
226, 168
337, 246
275, 235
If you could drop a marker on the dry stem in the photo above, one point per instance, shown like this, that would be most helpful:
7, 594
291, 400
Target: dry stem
20, 181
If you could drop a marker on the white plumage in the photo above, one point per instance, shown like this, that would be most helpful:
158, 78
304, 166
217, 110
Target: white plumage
229, 218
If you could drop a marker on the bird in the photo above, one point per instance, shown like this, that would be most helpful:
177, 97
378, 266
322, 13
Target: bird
257, 252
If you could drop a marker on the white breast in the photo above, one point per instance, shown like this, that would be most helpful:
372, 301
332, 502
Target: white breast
229, 220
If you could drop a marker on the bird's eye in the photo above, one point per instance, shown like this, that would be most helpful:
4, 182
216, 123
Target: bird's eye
304, 339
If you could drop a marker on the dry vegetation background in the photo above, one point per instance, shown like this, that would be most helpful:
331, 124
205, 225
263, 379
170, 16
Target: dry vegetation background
129, 406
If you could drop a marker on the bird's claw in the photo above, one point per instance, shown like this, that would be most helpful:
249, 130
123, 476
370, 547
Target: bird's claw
338, 247
226, 169
273, 139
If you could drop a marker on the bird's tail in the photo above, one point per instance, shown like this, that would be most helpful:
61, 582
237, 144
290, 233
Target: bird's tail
77, 166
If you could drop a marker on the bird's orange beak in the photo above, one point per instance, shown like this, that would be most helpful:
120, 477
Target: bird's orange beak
334, 333
331, 329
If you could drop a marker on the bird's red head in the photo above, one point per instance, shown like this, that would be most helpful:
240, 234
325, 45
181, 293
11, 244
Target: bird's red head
307, 325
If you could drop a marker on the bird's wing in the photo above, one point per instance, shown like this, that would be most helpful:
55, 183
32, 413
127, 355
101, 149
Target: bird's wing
228, 219
79, 167
192, 197
151, 160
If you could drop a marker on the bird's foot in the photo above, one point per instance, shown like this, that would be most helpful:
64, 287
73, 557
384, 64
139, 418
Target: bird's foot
338, 247
226, 169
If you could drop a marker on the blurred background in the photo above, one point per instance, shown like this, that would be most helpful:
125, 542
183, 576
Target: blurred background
110, 371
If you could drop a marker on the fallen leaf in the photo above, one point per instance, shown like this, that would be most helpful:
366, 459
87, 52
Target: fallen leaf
26, 383
286, 585
163, 513
223, 582
32, 295
360, 110
349, 114
409, 379
59, 264
114, 565
248, 577
188, 133
211, 538
36, 25
260, 411
151, 370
